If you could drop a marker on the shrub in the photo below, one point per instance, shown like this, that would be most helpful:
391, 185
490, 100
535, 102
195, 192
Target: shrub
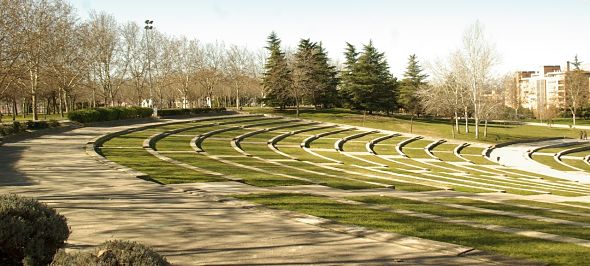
35, 125
191, 111
30, 231
84, 115
53, 123
17, 126
6, 130
108, 114
112, 253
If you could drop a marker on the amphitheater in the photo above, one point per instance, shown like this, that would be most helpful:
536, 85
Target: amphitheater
261, 189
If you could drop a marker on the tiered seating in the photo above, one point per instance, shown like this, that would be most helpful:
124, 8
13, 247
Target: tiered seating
270, 151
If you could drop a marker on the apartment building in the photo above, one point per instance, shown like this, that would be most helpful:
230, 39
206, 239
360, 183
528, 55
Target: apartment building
544, 88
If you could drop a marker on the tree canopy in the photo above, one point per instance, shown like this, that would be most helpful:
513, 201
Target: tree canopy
367, 82
414, 78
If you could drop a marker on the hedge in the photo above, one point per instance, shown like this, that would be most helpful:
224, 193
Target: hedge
109, 114
189, 111
17, 127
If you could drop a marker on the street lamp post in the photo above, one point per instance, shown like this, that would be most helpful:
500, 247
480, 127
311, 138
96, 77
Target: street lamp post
148, 26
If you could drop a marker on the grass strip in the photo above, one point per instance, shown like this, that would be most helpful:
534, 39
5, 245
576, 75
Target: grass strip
553, 253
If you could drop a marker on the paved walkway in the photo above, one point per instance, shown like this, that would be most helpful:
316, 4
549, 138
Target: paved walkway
580, 127
189, 227
516, 156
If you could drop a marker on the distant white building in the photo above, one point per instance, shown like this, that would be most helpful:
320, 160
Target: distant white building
539, 90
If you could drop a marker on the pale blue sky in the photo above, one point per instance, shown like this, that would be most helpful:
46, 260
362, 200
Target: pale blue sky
527, 34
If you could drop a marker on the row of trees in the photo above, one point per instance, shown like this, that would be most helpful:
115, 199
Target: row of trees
52, 60
463, 86
363, 82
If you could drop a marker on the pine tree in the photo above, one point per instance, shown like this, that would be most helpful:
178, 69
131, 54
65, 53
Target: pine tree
347, 75
369, 85
303, 72
314, 79
277, 75
325, 94
413, 80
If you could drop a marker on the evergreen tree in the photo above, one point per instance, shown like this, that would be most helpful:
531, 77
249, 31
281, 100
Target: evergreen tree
303, 72
347, 75
314, 79
325, 94
277, 75
413, 80
369, 84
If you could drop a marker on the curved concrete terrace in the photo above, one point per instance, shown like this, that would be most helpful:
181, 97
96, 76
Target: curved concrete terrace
189, 226
517, 156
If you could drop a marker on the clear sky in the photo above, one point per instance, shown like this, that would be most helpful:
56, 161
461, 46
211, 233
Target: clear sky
527, 34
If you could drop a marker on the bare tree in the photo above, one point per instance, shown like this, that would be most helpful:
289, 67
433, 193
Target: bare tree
448, 79
135, 55
41, 18
576, 89
476, 59
108, 65
239, 64
214, 64
190, 61
438, 99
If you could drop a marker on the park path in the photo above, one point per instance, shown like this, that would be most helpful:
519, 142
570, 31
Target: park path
516, 156
189, 227
579, 127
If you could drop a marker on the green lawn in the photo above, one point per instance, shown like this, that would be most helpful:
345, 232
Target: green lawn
553, 253
549, 161
435, 128
357, 173
517, 209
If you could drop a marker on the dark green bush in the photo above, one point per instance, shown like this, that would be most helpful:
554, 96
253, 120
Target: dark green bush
30, 232
18, 127
109, 114
84, 115
191, 111
112, 253
36, 125
53, 123
6, 130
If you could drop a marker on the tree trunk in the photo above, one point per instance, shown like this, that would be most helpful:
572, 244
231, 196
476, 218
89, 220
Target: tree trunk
412, 124
60, 102
93, 98
34, 104
24, 110
456, 121
69, 105
47, 108
237, 98
296, 106
476, 127
112, 98
466, 122
453, 126
14, 109
485, 129
573, 118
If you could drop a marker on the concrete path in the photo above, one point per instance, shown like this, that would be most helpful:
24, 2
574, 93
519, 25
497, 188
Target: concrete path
516, 156
583, 127
188, 226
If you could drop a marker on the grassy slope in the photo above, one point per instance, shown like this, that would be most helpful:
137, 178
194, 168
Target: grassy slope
436, 128
550, 252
